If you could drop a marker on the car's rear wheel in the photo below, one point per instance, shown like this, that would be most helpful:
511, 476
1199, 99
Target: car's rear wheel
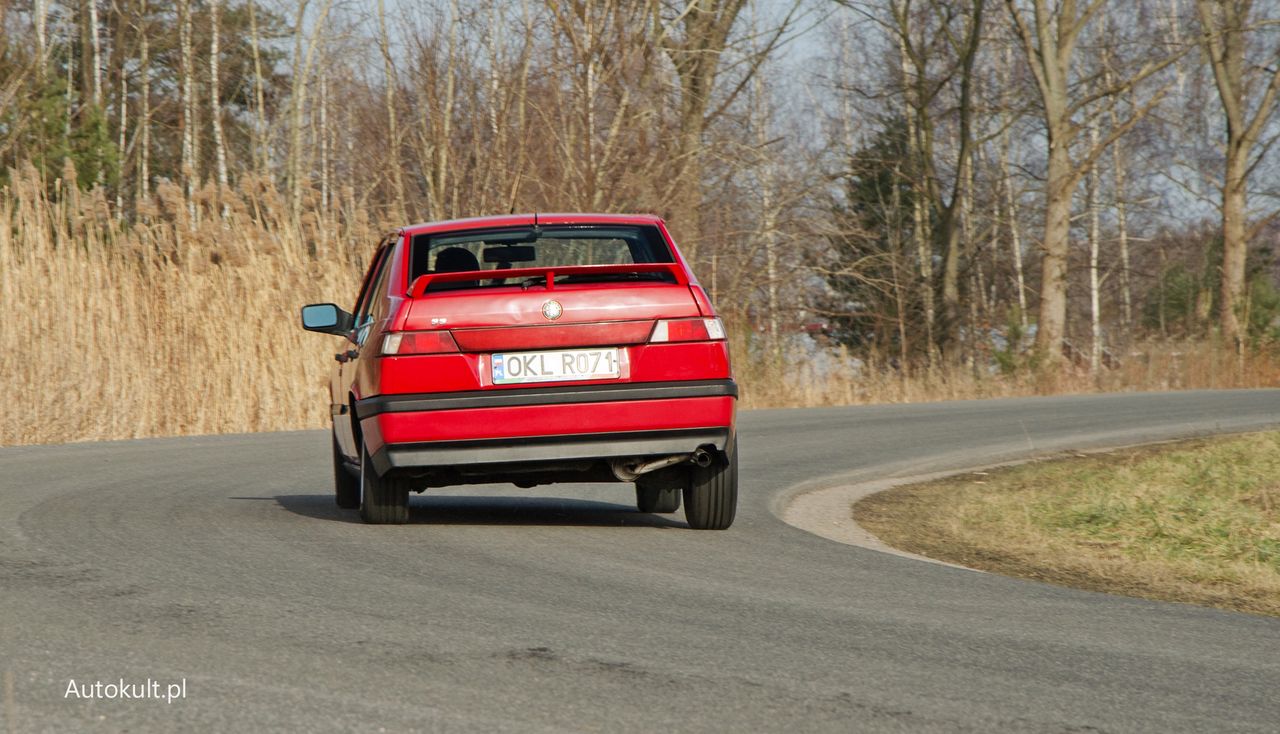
711, 497
346, 485
384, 500
655, 495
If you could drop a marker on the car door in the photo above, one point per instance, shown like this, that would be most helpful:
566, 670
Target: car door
345, 374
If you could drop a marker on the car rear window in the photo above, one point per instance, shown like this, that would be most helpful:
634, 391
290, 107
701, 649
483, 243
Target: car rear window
533, 247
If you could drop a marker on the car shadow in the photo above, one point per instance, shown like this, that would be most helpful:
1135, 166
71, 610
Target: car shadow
429, 509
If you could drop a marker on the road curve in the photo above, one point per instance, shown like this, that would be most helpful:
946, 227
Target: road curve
222, 561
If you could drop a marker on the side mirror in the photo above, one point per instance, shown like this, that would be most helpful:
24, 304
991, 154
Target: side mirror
327, 318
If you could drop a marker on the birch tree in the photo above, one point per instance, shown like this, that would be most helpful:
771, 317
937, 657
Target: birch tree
40, 8
215, 98
190, 172
142, 28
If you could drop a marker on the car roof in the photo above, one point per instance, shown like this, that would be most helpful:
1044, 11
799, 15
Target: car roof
528, 220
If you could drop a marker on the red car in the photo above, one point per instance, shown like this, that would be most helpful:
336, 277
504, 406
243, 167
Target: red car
532, 349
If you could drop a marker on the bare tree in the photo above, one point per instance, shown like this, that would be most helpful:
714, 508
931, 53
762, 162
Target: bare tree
389, 99
1226, 27
304, 54
259, 126
695, 39
965, 48
1049, 36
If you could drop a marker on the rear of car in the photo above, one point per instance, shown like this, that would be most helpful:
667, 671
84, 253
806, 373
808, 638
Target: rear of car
532, 350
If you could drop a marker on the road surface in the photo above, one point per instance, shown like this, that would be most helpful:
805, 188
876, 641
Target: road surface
222, 562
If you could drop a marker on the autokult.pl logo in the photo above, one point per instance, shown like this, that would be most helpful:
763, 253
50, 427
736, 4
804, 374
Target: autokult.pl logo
123, 690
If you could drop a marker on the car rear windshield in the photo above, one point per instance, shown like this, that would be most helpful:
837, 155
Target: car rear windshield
535, 247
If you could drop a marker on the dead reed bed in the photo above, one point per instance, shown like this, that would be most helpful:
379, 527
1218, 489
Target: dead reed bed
185, 322
798, 380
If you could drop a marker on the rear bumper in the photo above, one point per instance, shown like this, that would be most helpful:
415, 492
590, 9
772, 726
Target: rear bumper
576, 447
546, 424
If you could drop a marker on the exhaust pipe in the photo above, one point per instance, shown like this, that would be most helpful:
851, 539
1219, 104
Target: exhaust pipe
628, 470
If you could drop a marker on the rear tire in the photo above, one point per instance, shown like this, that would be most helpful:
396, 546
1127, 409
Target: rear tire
346, 486
656, 498
711, 498
384, 500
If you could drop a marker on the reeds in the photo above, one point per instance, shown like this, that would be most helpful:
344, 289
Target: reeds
170, 327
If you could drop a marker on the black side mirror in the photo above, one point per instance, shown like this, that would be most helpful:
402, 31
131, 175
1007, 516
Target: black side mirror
327, 318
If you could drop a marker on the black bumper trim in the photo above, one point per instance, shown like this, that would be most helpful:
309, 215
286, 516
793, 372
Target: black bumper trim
546, 448
557, 395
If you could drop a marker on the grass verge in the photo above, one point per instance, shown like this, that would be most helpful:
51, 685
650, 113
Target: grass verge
1195, 522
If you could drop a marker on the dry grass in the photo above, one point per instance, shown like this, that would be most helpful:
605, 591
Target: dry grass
169, 328
1196, 522
183, 324
1151, 366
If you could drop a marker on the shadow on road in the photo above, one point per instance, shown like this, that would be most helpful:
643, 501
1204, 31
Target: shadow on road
487, 510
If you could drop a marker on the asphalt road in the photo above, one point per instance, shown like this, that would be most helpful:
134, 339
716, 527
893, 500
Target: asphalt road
223, 561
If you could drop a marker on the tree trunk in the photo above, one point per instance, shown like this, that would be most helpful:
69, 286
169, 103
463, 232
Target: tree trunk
259, 125
143, 186
1061, 183
41, 11
921, 231
215, 103
302, 63
323, 134
1015, 234
120, 143
1048, 39
769, 217
187, 119
961, 185
1095, 235
96, 42
952, 247
696, 59
1234, 250
1224, 43
1120, 176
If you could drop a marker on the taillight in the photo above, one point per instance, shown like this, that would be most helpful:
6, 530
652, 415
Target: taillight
687, 330
418, 342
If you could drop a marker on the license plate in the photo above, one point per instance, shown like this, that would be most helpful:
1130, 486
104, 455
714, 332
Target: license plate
559, 366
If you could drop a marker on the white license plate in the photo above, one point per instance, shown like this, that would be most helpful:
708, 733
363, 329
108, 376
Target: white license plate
558, 366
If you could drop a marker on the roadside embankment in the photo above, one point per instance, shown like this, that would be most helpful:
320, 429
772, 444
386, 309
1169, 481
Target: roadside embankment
1197, 521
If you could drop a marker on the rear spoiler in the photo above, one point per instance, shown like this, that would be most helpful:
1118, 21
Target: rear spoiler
419, 285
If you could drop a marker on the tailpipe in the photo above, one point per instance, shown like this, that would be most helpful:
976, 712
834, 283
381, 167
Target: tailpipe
628, 469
